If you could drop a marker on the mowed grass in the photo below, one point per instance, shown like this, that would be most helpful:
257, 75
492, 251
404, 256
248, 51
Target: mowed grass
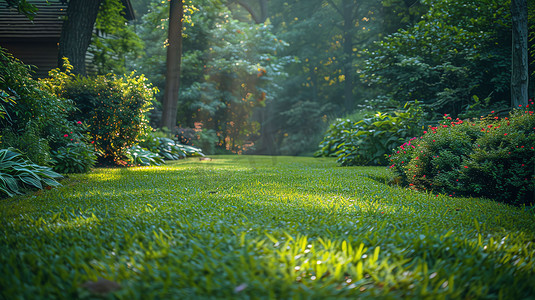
260, 227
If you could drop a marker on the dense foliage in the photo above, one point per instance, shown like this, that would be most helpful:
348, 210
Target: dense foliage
114, 42
460, 49
365, 142
258, 227
491, 157
229, 69
75, 157
34, 119
114, 108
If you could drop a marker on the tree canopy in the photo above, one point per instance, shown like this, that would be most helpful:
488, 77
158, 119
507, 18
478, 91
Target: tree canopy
269, 76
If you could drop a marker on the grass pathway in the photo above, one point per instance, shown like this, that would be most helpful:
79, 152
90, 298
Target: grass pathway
259, 227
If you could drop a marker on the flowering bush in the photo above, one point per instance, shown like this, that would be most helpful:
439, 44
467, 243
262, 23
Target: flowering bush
114, 108
73, 150
491, 157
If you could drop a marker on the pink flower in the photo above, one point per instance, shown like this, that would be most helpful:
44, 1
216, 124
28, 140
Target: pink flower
65, 135
79, 122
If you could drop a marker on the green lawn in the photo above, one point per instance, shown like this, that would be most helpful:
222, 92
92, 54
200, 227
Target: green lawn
260, 227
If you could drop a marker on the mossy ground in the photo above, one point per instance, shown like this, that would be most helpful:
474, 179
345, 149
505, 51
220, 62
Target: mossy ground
260, 227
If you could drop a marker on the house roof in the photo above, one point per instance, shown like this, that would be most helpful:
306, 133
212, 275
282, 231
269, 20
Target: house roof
46, 24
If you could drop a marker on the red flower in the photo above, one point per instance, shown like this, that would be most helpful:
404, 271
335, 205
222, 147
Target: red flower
65, 135
79, 122
505, 134
466, 167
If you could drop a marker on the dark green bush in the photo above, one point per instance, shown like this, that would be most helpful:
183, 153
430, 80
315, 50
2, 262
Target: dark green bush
491, 157
338, 132
367, 141
76, 157
114, 108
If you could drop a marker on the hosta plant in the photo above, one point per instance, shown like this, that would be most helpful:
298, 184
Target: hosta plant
17, 173
143, 157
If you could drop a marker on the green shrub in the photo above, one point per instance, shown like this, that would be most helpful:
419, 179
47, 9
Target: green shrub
491, 157
114, 108
366, 142
30, 112
76, 157
17, 173
336, 135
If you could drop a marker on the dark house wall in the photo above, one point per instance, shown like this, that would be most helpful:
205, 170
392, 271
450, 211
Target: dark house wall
36, 43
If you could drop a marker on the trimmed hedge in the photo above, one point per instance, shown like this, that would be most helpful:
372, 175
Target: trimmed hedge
491, 157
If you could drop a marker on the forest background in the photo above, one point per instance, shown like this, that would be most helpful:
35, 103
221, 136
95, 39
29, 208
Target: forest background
270, 76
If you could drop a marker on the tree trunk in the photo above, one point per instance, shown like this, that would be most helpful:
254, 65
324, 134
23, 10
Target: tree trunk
174, 54
76, 33
263, 10
519, 72
347, 10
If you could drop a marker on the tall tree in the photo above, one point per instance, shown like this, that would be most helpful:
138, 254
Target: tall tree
76, 33
348, 10
174, 54
519, 73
